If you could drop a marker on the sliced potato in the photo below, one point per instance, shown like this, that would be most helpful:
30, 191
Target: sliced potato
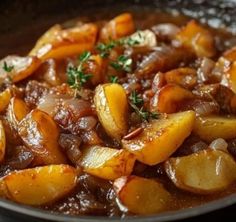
112, 107
95, 66
40, 134
185, 77
198, 38
210, 128
22, 67
38, 186
169, 97
204, 172
142, 196
120, 26
5, 97
16, 111
60, 43
160, 138
107, 163
2, 142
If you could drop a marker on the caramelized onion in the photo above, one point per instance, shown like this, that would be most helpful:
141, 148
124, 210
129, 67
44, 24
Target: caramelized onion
21, 158
205, 69
70, 144
202, 107
165, 31
219, 144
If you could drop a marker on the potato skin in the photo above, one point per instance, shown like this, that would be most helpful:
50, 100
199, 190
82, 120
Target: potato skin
2, 142
40, 134
160, 138
120, 26
5, 97
23, 67
204, 172
107, 163
60, 43
111, 104
40, 185
198, 38
168, 98
210, 128
142, 196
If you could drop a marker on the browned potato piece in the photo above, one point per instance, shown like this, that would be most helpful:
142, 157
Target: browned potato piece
2, 142
40, 134
112, 108
120, 26
198, 38
16, 111
107, 163
230, 54
204, 172
169, 97
21, 67
210, 128
40, 185
160, 138
5, 97
60, 43
141, 195
95, 66
185, 77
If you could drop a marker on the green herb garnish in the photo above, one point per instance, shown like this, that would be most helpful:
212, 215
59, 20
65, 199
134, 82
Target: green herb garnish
113, 79
105, 49
7, 68
77, 76
122, 63
136, 102
135, 98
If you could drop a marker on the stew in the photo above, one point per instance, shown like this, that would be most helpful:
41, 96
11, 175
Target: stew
120, 117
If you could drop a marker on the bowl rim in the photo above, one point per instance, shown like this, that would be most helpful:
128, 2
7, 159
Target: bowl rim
37, 213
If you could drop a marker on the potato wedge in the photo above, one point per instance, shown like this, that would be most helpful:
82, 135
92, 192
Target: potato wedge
40, 185
5, 97
142, 196
169, 97
198, 38
2, 142
210, 128
120, 26
112, 107
60, 43
21, 67
107, 163
204, 172
95, 66
40, 134
184, 77
16, 111
160, 138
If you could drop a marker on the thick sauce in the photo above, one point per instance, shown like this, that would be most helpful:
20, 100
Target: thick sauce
94, 196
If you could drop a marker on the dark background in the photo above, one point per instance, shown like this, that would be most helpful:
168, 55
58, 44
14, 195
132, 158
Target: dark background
22, 21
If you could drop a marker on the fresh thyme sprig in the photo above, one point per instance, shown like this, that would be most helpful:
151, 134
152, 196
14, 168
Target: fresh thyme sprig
135, 102
7, 68
77, 76
123, 63
113, 79
104, 49
135, 98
